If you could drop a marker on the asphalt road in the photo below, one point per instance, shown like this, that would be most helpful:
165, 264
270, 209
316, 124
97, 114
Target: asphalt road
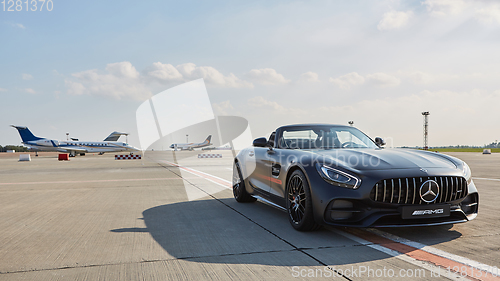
96, 218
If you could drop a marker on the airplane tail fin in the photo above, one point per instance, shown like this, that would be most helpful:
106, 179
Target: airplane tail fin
26, 134
114, 136
209, 138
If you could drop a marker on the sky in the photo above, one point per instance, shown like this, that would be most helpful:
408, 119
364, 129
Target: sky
85, 66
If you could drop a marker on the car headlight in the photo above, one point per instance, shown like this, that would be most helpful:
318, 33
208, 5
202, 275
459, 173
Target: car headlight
338, 178
467, 172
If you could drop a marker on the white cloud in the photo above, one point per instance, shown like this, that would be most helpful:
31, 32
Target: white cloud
18, 25
394, 20
489, 14
266, 76
442, 8
211, 76
485, 11
163, 72
223, 108
167, 73
348, 80
419, 77
309, 77
262, 102
74, 88
122, 69
27, 76
29, 91
271, 106
383, 80
122, 80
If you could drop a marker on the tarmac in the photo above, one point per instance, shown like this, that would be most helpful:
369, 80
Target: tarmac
174, 218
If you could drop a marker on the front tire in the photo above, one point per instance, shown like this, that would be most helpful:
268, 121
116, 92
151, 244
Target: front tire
299, 203
240, 193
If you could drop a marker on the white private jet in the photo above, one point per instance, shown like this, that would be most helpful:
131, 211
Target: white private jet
191, 146
74, 146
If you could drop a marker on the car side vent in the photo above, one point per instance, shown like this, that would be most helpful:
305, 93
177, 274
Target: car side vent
407, 190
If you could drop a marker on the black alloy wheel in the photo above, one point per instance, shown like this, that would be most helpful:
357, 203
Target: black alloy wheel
299, 203
239, 191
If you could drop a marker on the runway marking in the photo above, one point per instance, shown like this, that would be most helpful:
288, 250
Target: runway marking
87, 181
435, 251
397, 254
488, 179
444, 263
219, 181
412, 252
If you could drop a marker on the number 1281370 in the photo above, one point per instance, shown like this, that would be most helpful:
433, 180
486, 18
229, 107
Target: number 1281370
27, 5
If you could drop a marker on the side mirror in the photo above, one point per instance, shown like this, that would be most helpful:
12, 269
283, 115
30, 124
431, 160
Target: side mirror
379, 141
260, 142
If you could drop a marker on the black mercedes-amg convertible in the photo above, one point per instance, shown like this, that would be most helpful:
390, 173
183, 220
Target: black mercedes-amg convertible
336, 175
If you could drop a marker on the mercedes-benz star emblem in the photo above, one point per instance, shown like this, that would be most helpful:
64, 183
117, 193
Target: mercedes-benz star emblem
429, 191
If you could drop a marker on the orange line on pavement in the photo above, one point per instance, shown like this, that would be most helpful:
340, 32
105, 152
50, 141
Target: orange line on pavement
444, 263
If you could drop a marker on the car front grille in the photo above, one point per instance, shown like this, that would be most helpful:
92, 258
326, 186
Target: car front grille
407, 190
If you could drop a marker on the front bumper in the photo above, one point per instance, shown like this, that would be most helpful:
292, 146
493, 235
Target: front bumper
354, 208
354, 213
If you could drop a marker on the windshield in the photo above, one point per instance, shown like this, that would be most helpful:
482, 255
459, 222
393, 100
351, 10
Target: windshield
324, 137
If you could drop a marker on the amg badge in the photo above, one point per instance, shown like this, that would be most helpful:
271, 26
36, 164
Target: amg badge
427, 212
420, 212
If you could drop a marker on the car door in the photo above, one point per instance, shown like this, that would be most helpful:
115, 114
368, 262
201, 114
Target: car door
259, 178
274, 157
275, 168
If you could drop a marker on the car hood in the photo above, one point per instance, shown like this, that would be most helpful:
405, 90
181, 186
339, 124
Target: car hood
383, 159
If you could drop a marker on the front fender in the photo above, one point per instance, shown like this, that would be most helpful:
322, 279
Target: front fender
247, 163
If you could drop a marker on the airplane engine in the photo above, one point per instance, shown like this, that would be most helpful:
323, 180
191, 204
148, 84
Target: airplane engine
47, 143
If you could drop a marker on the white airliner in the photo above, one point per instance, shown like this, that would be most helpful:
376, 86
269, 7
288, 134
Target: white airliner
74, 146
191, 146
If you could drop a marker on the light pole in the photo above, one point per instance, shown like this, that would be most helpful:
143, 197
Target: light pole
426, 131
